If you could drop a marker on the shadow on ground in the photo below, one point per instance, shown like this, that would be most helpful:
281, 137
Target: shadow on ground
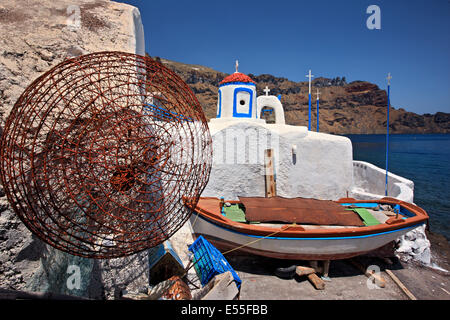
339, 268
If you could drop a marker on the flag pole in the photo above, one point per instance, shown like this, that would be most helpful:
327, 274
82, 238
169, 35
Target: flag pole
309, 75
387, 131
318, 93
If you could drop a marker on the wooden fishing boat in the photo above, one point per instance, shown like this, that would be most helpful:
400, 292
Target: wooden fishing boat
304, 229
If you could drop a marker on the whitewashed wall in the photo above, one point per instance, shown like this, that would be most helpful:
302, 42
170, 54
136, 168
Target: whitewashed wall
369, 183
320, 168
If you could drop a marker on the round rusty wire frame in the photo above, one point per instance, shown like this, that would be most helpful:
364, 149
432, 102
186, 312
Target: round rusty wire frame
99, 153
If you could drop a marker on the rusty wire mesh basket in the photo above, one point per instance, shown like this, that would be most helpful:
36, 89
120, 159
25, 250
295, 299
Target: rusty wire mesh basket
99, 152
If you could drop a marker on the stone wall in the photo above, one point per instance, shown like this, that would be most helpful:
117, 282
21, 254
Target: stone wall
37, 35
34, 37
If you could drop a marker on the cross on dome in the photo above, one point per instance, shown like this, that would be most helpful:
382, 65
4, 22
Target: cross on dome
267, 90
318, 93
237, 66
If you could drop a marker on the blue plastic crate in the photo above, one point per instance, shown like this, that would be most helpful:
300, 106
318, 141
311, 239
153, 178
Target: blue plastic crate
210, 262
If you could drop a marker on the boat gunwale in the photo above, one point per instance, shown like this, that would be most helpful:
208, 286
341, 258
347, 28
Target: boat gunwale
292, 231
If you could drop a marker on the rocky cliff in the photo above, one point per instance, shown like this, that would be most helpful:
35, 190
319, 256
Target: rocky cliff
358, 107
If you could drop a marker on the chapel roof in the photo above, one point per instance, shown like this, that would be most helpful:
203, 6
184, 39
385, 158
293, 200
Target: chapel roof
237, 77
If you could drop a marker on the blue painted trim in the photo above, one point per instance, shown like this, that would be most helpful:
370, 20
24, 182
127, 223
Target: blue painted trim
361, 205
406, 212
242, 115
309, 113
330, 238
398, 207
237, 83
339, 238
220, 104
164, 114
267, 110
387, 140
317, 115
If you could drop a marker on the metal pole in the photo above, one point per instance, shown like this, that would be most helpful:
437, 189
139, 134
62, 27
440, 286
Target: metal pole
387, 132
317, 115
309, 113
309, 75
318, 93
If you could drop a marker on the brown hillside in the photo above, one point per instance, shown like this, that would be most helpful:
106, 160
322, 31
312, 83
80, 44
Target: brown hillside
358, 107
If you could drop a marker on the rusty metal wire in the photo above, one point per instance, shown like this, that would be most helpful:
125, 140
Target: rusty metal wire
99, 152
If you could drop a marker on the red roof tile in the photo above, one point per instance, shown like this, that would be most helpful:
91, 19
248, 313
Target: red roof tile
237, 77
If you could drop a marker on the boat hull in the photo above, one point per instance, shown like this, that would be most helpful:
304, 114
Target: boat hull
293, 248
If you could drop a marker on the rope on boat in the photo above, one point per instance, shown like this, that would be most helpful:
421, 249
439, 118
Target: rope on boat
251, 242
259, 239
195, 220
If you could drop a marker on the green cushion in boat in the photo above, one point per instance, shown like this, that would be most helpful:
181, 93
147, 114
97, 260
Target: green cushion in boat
235, 213
366, 216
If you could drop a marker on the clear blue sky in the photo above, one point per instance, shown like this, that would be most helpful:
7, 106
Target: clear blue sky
286, 38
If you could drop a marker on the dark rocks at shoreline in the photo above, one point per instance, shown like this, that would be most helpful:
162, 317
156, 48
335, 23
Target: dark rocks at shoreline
443, 119
440, 250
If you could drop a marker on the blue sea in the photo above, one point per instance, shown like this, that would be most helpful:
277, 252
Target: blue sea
422, 158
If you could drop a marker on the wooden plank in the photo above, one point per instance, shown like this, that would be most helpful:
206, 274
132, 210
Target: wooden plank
400, 284
269, 174
318, 283
304, 271
378, 280
224, 288
135, 296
